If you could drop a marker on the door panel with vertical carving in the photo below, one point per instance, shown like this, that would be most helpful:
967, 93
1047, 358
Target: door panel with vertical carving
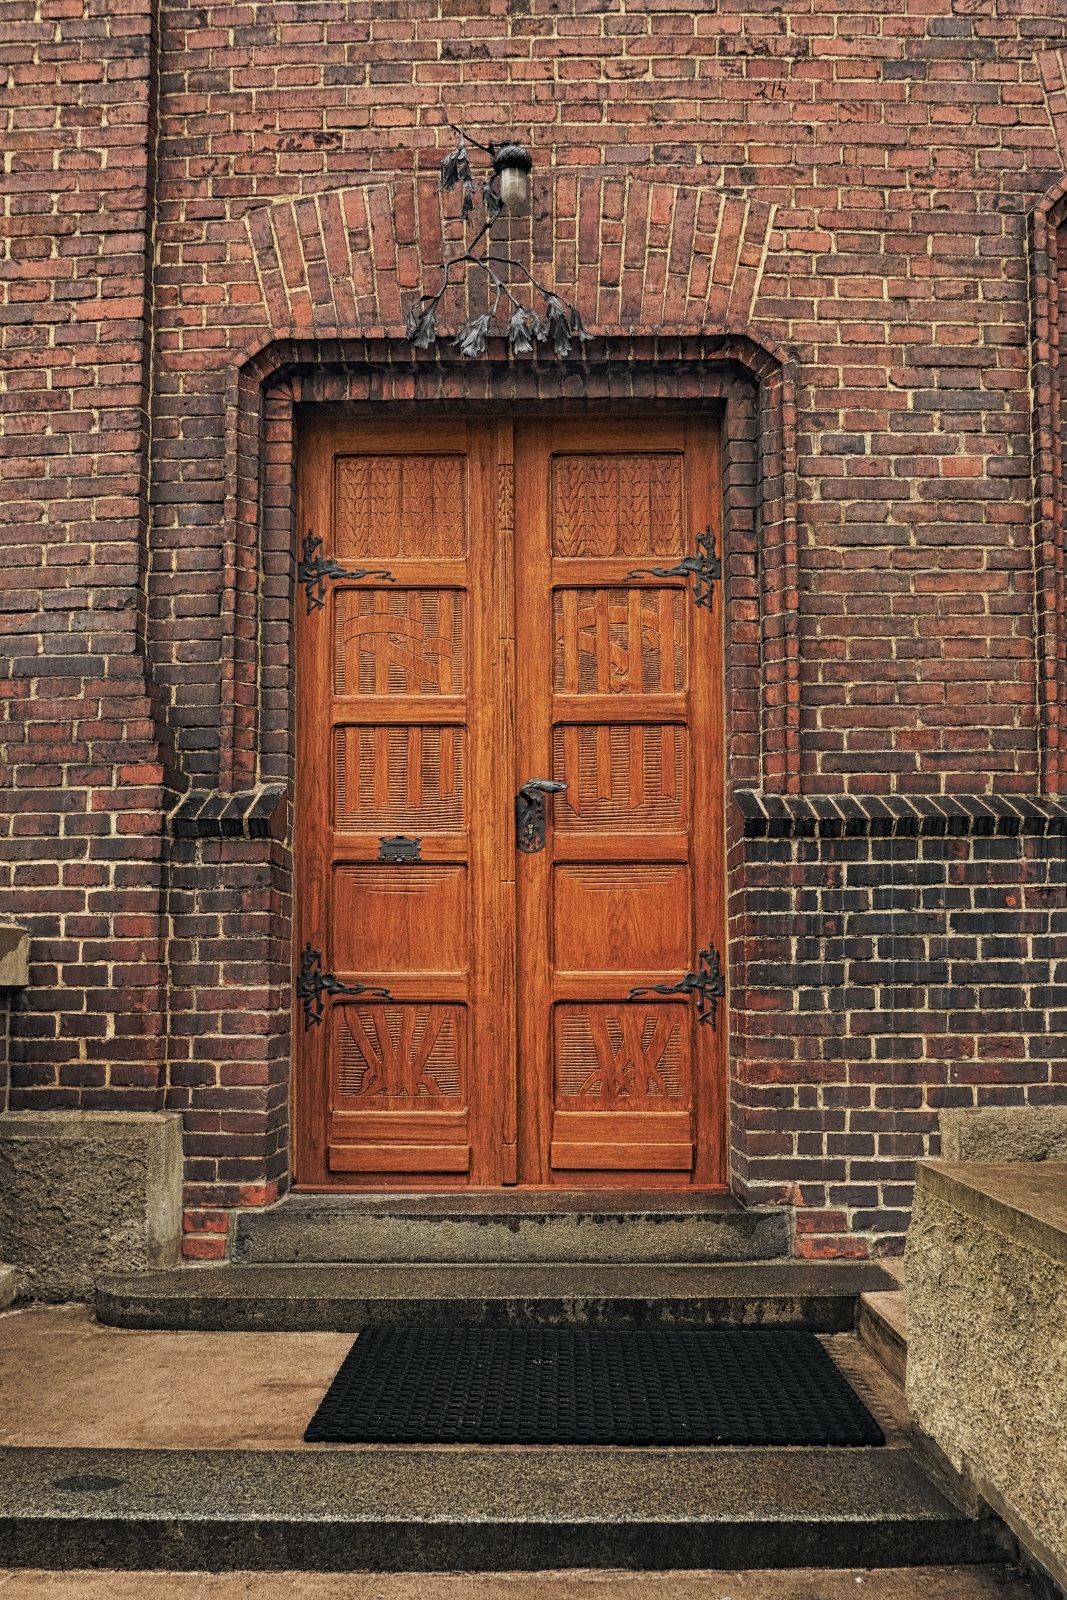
618, 1088
402, 811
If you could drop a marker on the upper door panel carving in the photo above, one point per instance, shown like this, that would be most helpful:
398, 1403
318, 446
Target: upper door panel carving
396, 506
618, 505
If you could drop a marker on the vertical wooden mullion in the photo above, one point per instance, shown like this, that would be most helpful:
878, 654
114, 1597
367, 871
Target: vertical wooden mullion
484, 1041
506, 783
533, 742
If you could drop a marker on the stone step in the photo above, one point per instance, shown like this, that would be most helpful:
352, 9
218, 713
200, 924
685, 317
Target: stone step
458, 1509
513, 1225
821, 1297
882, 1322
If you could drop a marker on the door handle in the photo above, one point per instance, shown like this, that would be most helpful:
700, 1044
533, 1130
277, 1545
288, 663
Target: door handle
531, 823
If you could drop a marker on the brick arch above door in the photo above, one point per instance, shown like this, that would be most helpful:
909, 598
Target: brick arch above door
666, 275
635, 254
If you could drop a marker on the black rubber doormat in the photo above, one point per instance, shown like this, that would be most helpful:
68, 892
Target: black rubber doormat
590, 1386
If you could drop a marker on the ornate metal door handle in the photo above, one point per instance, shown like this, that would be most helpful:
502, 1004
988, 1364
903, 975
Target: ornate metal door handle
705, 567
531, 824
314, 569
707, 983
313, 984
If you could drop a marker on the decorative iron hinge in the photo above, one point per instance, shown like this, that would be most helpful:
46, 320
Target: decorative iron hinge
313, 984
314, 569
399, 848
707, 984
705, 567
531, 822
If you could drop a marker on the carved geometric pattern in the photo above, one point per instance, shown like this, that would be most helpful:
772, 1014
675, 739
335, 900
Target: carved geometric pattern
505, 502
406, 641
399, 778
400, 506
618, 505
626, 776
410, 1054
623, 1057
618, 641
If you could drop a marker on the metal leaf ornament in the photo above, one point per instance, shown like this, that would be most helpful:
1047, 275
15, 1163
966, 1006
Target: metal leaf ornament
456, 168
526, 327
470, 341
422, 325
559, 325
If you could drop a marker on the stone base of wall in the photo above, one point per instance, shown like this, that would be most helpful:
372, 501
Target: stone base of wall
987, 1338
83, 1193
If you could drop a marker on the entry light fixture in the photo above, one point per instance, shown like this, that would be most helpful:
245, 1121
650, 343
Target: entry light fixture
511, 163
555, 321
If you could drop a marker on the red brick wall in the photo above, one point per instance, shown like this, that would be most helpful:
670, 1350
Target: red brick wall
850, 190
80, 765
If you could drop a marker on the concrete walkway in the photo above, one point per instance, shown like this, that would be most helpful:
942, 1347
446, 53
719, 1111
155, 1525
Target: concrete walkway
67, 1381
920, 1583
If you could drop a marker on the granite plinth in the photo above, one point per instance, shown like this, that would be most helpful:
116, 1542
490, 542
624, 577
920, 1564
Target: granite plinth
88, 1192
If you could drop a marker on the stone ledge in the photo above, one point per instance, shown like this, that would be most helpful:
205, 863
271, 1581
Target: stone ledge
997, 1134
210, 814
848, 816
524, 1226
1026, 1202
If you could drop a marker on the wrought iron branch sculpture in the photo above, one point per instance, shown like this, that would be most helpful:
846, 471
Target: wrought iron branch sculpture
557, 322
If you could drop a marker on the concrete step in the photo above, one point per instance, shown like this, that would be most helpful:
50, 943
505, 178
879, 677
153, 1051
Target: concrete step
432, 1509
822, 1297
513, 1225
882, 1324
988, 1581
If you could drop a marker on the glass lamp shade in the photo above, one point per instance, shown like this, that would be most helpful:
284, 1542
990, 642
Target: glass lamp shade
512, 187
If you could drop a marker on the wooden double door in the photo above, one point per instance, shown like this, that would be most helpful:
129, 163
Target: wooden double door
479, 615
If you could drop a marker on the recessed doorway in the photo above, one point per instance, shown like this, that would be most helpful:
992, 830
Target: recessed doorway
510, 806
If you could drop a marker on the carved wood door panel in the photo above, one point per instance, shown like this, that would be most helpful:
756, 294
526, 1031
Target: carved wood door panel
471, 621
400, 703
620, 697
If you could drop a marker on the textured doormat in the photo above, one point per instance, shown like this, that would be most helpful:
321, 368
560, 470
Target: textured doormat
590, 1386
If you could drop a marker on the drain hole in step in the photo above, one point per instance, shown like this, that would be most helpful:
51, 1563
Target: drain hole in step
87, 1483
